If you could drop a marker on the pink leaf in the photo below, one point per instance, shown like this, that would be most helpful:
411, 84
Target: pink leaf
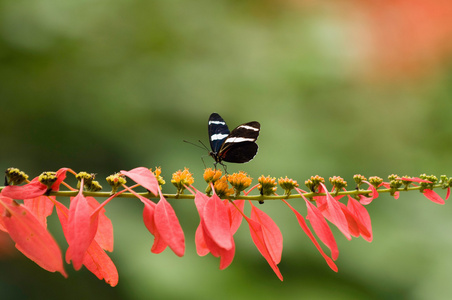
104, 235
98, 263
41, 207
433, 196
149, 221
95, 260
204, 243
333, 212
272, 235
28, 191
386, 185
30, 236
352, 224
168, 227
201, 245
308, 232
235, 215
362, 218
216, 222
145, 178
414, 179
61, 175
321, 228
81, 228
257, 235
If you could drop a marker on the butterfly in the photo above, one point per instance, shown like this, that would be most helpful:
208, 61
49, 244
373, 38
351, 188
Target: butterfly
237, 146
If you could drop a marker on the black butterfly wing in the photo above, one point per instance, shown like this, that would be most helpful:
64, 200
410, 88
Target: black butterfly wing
218, 132
240, 145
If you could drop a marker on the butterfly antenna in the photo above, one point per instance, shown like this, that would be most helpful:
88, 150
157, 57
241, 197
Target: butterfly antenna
196, 145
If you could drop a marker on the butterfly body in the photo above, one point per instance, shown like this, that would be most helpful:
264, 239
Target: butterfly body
237, 146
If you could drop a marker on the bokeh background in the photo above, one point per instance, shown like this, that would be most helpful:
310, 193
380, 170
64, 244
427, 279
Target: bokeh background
339, 87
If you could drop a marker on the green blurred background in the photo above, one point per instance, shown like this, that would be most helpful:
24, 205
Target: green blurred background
339, 89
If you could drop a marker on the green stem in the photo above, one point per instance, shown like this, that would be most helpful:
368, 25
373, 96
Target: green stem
242, 197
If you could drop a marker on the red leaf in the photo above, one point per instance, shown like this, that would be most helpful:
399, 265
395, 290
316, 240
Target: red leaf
30, 236
61, 175
104, 235
145, 178
413, 179
308, 232
216, 222
257, 235
98, 262
433, 196
149, 221
362, 218
235, 216
81, 228
168, 227
386, 185
201, 246
226, 255
321, 228
41, 207
95, 260
332, 211
374, 195
272, 235
204, 243
448, 192
352, 224
28, 191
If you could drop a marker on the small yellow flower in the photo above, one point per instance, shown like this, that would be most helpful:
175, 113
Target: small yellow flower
221, 187
211, 175
267, 185
48, 178
287, 184
160, 179
15, 176
115, 181
181, 179
239, 181
314, 182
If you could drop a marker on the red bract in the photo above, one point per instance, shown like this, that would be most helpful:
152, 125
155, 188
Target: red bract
81, 228
448, 192
28, 191
272, 235
362, 218
216, 222
205, 241
41, 207
367, 200
159, 244
332, 211
308, 232
34, 188
258, 236
104, 234
386, 185
433, 196
95, 260
61, 175
30, 236
321, 228
144, 177
352, 225
235, 214
168, 226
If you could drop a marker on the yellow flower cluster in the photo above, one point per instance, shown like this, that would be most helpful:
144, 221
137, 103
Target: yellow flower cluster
181, 179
